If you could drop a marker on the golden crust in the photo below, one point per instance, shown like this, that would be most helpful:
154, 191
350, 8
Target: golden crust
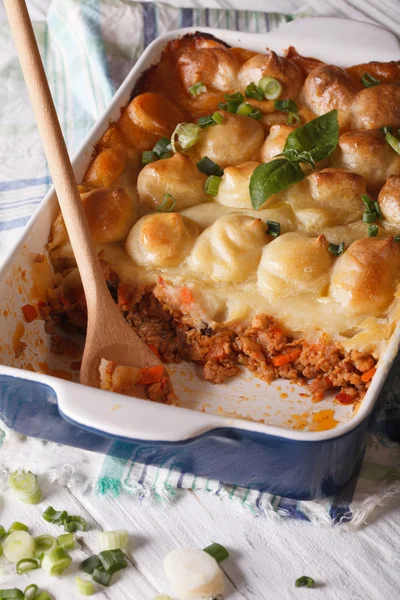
234, 187
328, 87
385, 72
376, 107
367, 153
275, 142
177, 176
365, 276
389, 200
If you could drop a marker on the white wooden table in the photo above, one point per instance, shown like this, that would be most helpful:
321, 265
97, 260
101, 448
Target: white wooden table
266, 556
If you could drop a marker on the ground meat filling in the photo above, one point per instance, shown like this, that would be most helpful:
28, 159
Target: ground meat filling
263, 348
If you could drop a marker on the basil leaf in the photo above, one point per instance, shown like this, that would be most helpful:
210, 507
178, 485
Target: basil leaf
285, 106
313, 141
271, 178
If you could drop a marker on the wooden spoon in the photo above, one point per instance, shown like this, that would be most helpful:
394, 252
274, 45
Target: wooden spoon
108, 334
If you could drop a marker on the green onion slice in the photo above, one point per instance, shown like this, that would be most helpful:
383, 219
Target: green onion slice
368, 80
113, 540
112, 560
18, 545
148, 157
254, 91
84, 587
386, 129
162, 147
244, 109
66, 540
373, 230
233, 101
57, 517
12, 594
305, 582
378, 210
101, 576
209, 167
2, 532
25, 486
336, 249
255, 114
393, 142
1, 549
44, 596
206, 121
27, 564
212, 184
293, 119
74, 523
56, 561
369, 217
168, 204
217, 551
397, 238
44, 543
30, 592
274, 228
17, 526
197, 88
187, 133
288, 106
218, 118
90, 564
272, 88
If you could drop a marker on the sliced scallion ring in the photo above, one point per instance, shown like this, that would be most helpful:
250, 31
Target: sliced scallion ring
43, 544
66, 540
84, 587
17, 526
27, 564
233, 101
162, 147
197, 88
272, 88
274, 228
369, 80
18, 545
101, 576
25, 486
113, 540
74, 523
12, 594
187, 134
305, 582
397, 238
212, 184
373, 230
30, 592
56, 561
293, 119
393, 142
57, 517
148, 157
217, 551
244, 109
218, 118
44, 596
254, 91
112, 560
336, 249
209, 167
168, 204
90, 564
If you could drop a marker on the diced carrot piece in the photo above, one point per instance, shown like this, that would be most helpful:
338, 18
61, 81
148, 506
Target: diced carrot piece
154, 350
30, 313
150, 375
286, 357
368, 375
186, 295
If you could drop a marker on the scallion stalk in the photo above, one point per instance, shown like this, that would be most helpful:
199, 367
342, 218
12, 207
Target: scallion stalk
56, 561
25, 486
113, 540
274, 228
369, 80
272, 88
30, 592
254, 91
168, 204
336, 249
84, 587
44, 543
217, 551
305, 582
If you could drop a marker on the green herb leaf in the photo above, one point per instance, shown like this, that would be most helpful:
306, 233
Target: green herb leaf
305, 581
285, 106
313, 141
368, 80
271, 178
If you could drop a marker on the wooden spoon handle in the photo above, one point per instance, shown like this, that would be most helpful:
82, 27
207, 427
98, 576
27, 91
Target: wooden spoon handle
55, 149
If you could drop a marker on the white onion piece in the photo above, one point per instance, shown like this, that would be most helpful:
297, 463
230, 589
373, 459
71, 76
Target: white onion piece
193, 574
18, 545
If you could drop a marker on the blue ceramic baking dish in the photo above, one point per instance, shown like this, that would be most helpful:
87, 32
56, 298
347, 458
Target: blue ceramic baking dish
242, 432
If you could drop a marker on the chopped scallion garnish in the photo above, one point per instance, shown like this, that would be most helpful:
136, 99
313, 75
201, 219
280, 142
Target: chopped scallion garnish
255, 114
74, 523
212, 184
148, 157
113, 540
162, 147
233, 101
101, 576
254, 91
336, 249
56, 561
197, 88
112, 560
274, 228
27, 564
2, 532
205, 121
272, 88
12, 594
217, 551
57, 517
66, 540
90, 564
84, 587
393, 142
44, 596
287, 106
244, 109
187, 134
25, 486
218, 118
377, 210
386, 129
30, 592
209, 167
370, 214
17, 526
369, 80
373, 230
293, 119
44, 543
168, 204
305, 582
369, 217
397, 238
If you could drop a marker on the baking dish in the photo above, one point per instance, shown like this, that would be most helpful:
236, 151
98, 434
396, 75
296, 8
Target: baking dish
224, 438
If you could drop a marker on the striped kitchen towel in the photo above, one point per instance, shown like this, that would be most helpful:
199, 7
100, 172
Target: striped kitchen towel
88, 47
